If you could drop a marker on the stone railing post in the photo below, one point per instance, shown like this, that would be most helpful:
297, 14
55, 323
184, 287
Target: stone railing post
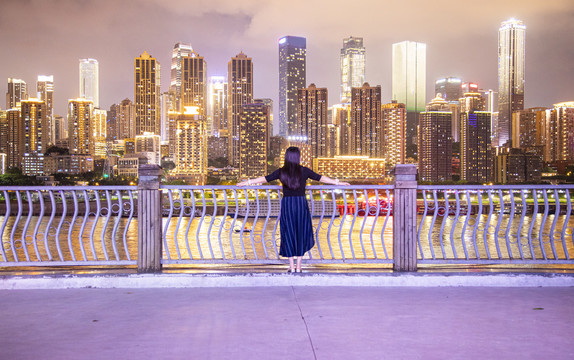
405, 218
149, 219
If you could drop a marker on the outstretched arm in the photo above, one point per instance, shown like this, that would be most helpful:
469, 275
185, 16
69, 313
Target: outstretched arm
257, 181
328, 180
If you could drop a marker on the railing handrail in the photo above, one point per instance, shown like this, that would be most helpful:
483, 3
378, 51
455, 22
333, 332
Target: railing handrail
274, 187
493, 187
69, 188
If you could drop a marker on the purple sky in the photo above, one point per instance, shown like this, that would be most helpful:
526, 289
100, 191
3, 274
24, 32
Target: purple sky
48, 37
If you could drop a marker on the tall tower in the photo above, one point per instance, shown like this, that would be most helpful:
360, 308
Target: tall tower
81, 126
179, 51
435, 142
17, 91
511, 55
312, 119
218, 105
35, 136
353, 65
191, 145
147, 95
194, 82
409, 84
366, 121
240, 92
89, 81
45, 89
475, 138
394, 117
292, 77
15, 137
254, 137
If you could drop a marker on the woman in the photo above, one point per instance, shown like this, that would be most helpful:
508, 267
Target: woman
296, 227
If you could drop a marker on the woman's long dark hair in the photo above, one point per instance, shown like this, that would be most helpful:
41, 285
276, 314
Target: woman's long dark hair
290, 175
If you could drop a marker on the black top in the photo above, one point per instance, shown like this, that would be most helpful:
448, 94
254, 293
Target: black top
306, 173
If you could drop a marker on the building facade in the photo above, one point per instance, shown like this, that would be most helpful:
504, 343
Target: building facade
45, 89
218, 105
511, 62
475, 146
35, 136
254, 140
240, 92
89, 81
17, 91
394, 116
409, 84
147, 95
353, 66
191, 146
292, 77
312, 116
194, 82
81, 126
366, 121
435, 142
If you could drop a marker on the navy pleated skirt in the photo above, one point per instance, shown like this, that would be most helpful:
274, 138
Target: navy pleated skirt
295, 227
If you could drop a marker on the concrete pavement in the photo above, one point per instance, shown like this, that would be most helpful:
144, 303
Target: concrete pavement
288, 322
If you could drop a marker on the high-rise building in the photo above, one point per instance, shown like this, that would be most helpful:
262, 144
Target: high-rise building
15, 137
180, 50
394, 117
312, 117
409, 84
340, 115
17, 91
45, 89
268, 102
193, 82
564, 113
89, 81
121, 121
191, 146
254, 140
475, 147
149, 146
450, 88
511, 56
366, 121
3, 132
530, 130
80, 126
147, 95
435, 142
353, 66
218, 105
34, 137
99, 131
292, 77
239, 93
60, 128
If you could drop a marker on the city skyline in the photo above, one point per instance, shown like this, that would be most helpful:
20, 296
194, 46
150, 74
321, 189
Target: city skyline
219, 31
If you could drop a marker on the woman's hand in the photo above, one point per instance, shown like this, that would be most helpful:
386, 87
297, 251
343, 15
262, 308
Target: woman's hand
244, 183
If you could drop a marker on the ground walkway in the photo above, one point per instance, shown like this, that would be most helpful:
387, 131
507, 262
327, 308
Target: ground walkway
229, 318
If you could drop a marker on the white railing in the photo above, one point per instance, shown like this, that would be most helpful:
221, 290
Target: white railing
68, 225
495, 224
404, 224
237, 225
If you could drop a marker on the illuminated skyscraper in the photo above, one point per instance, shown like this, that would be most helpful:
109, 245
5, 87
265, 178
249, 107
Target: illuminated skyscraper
254, 139
292, 77
15, 137
80, 126
179, 51
366, 121
45, 89
409, 84
239, 93
341, 118
89, 81
194, 82
99, 132
353, 66
269, 103
3, 132
511, 55
475, 148
147, 95
435, 142
34, 137
450, 88
191, 146
17, 91
394, 117
218, 105
312, 117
